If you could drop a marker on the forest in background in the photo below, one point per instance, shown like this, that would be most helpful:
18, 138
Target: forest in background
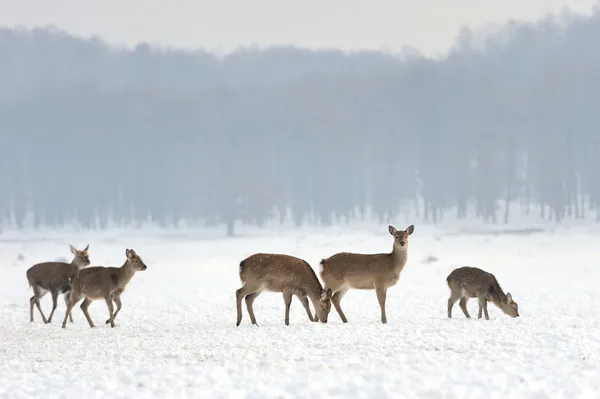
95, 133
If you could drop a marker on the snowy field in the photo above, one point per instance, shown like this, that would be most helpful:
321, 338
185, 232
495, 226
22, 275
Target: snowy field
176, 335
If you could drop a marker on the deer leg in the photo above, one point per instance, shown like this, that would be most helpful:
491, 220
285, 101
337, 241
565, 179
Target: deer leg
109, 303
73, 298
301, 294
455, 295
66, 296
381, 295
239, 295
483, 305
31, 302
451, 301
67, 314
54, 298
287, 299
249, 302
84, 308
37, 295
304, 301
31, 306
336, 299
463, 306
117, 299
480, 310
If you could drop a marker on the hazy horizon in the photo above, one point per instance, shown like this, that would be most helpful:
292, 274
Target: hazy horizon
99, 135
224, 26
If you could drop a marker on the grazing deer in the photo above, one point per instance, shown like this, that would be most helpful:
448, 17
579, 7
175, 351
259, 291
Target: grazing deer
99, 282
471, 282
346, 270
281, 273
54, 277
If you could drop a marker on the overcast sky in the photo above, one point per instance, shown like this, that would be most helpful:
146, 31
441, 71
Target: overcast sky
222, 25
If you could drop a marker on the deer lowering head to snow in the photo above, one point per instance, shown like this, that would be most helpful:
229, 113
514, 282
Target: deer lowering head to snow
471, 282
281, 273
54, 277
99, 282
345, 270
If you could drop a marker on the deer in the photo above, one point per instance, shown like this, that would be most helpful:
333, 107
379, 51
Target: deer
54, 277
471, 282
100, 282
281, 273
380, 271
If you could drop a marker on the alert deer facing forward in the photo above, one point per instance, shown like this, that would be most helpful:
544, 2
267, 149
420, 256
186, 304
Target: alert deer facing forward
281, 273
345, 270
54, 277
99, 282
471, 282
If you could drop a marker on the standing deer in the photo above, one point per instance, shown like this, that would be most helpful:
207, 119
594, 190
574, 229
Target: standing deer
281, 273
99, 282
346, 270
54, 277
471, 282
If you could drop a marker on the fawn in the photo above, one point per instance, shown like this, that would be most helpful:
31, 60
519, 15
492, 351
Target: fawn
99, 282
54, 277
281, 273
346, 270
471, 282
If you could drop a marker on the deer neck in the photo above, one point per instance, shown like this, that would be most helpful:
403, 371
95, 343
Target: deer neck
312, 289
314, 293
74, 266
399, 257
315, 297
126, 273
497, 296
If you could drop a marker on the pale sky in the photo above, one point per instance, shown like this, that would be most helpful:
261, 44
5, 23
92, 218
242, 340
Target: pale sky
222, 25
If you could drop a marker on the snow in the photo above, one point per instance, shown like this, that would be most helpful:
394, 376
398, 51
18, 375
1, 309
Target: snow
176, 335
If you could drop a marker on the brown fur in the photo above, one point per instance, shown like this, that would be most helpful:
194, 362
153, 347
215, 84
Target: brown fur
101, 282
346, 270
471, 282
281, 273
54, 277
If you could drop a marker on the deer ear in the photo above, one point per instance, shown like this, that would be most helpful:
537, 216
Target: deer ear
128, 253
73, 250
392, 229
326, 294
410, 229
509, 297
86, 248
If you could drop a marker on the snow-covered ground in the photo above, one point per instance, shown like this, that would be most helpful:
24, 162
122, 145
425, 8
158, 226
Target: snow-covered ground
176, 335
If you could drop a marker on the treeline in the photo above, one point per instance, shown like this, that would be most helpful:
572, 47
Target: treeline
90, 132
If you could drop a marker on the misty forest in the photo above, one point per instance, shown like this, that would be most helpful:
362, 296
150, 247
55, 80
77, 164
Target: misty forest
501, 126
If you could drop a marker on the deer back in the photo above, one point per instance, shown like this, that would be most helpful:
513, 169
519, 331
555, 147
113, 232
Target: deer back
361, 270
51, 275
95, 282
276, 271
472, 280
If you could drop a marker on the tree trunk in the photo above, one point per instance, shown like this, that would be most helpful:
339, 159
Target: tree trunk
230, 227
